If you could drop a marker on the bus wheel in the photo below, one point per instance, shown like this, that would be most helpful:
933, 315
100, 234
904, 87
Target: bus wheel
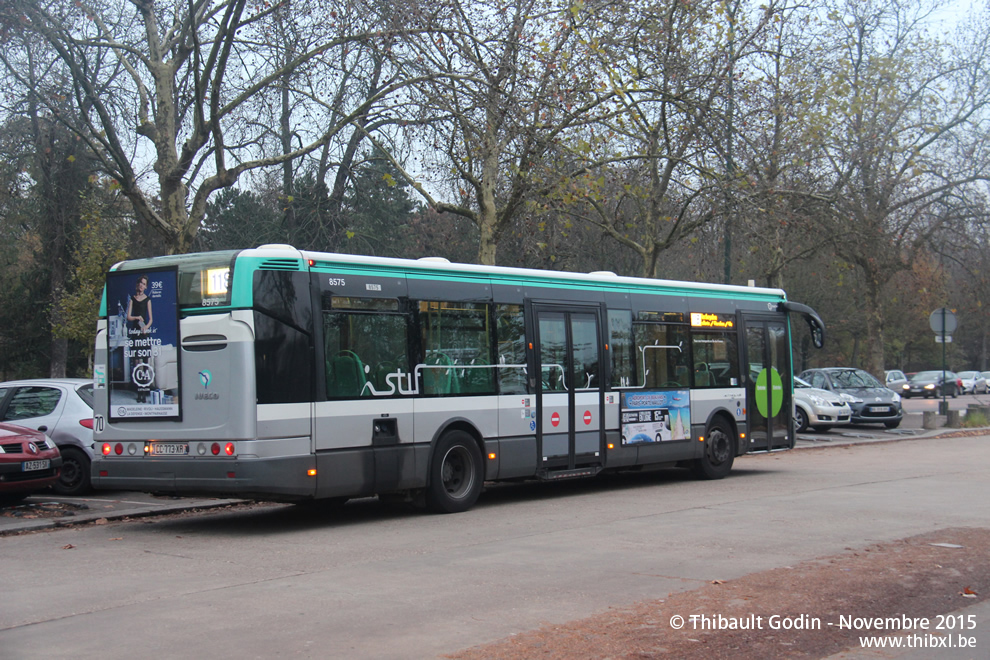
456, 474
719, 452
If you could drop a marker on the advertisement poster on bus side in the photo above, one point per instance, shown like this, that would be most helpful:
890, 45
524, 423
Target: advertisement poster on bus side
142, 371
660, 416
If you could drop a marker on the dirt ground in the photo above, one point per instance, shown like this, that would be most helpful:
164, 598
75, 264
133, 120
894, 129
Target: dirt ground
921, 576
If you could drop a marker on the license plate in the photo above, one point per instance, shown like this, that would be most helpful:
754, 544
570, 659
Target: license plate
31, 466
169, 448
879, 408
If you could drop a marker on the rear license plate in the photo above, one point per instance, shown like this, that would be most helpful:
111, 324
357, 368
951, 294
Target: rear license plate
31, 466
169, 449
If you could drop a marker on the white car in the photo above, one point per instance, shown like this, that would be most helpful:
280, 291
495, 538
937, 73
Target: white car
818, 409
62, 409
973, 382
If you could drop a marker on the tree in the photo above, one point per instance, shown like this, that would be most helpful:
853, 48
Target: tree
500, 85
899, 126
672, 67
192, 76
50, 171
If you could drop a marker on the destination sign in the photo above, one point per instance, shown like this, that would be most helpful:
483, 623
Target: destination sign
703, 320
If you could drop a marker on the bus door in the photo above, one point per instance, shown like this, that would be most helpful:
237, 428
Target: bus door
569, 389
767, 372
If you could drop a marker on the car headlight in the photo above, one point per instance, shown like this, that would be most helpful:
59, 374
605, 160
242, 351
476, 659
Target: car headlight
850, 398
896, 398
930, 386
818, 401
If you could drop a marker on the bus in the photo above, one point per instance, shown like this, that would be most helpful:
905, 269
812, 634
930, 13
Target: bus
280, 374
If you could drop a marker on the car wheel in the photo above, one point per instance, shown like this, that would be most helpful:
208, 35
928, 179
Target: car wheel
954, 392
74, 477
456, 474
800, 420
719, 452
822, 429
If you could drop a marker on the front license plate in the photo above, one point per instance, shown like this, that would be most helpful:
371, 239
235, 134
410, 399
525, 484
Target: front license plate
169, 449
879, 408
31, 466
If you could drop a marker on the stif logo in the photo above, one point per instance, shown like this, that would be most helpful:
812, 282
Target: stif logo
205, 377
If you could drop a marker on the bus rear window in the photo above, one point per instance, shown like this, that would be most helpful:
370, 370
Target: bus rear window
204, 278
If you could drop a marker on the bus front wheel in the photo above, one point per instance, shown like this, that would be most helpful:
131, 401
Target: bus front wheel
719, 452
456, 474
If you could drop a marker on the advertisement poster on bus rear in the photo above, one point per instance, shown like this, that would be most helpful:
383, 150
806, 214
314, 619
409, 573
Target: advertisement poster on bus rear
142, 345
655, 416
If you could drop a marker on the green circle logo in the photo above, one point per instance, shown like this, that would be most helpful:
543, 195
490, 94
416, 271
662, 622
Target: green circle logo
764, 396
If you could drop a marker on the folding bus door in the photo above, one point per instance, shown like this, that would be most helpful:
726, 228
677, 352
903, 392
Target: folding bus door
569, 389
767, 370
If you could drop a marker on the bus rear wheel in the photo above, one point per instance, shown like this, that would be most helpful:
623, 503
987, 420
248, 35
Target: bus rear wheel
456, 474
719, 452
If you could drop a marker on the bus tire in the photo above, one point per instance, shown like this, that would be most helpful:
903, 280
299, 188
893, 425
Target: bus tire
718, 453
456, 474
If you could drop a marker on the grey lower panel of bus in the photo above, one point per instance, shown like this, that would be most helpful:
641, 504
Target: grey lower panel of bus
270, 476
371, 470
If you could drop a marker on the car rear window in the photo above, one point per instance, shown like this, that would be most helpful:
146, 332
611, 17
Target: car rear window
86, 394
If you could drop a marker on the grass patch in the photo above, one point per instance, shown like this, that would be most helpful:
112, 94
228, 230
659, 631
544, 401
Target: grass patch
975, 419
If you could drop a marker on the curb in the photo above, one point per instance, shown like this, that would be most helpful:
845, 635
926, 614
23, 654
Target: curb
33, 525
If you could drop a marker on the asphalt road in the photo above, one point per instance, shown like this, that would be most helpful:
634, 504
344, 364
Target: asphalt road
374, 581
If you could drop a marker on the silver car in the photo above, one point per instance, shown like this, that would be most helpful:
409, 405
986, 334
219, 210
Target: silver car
973, 382
818, 409
62, 408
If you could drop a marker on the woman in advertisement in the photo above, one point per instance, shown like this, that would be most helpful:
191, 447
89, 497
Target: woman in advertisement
139, 318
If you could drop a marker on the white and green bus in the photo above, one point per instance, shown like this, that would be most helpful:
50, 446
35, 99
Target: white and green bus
280, 374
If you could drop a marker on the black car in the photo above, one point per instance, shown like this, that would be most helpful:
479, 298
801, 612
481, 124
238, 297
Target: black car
932, 383
871, 402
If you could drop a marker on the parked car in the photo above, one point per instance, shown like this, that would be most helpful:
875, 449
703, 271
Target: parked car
986, 377
29, 462
894, 379
973, 382
932, 384
870, 401
818, 409
62, 408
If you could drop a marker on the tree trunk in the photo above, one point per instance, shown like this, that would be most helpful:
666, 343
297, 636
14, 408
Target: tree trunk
874, 362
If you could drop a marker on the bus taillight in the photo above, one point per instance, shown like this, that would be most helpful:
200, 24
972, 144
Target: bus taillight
229, 449
106, 449
215, 448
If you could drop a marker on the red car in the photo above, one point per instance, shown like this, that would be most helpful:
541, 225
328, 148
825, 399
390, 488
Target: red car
29, 462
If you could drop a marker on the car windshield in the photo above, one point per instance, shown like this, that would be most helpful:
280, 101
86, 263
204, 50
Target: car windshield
928, 375
853, 378
801, 383
968, 374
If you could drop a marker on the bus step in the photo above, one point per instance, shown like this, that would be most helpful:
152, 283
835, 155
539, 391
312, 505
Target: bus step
557, 475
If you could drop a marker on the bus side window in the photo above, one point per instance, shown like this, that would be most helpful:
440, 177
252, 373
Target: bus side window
716, 359
364, 340
621, 344
511, 359
662, 358
457, 348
